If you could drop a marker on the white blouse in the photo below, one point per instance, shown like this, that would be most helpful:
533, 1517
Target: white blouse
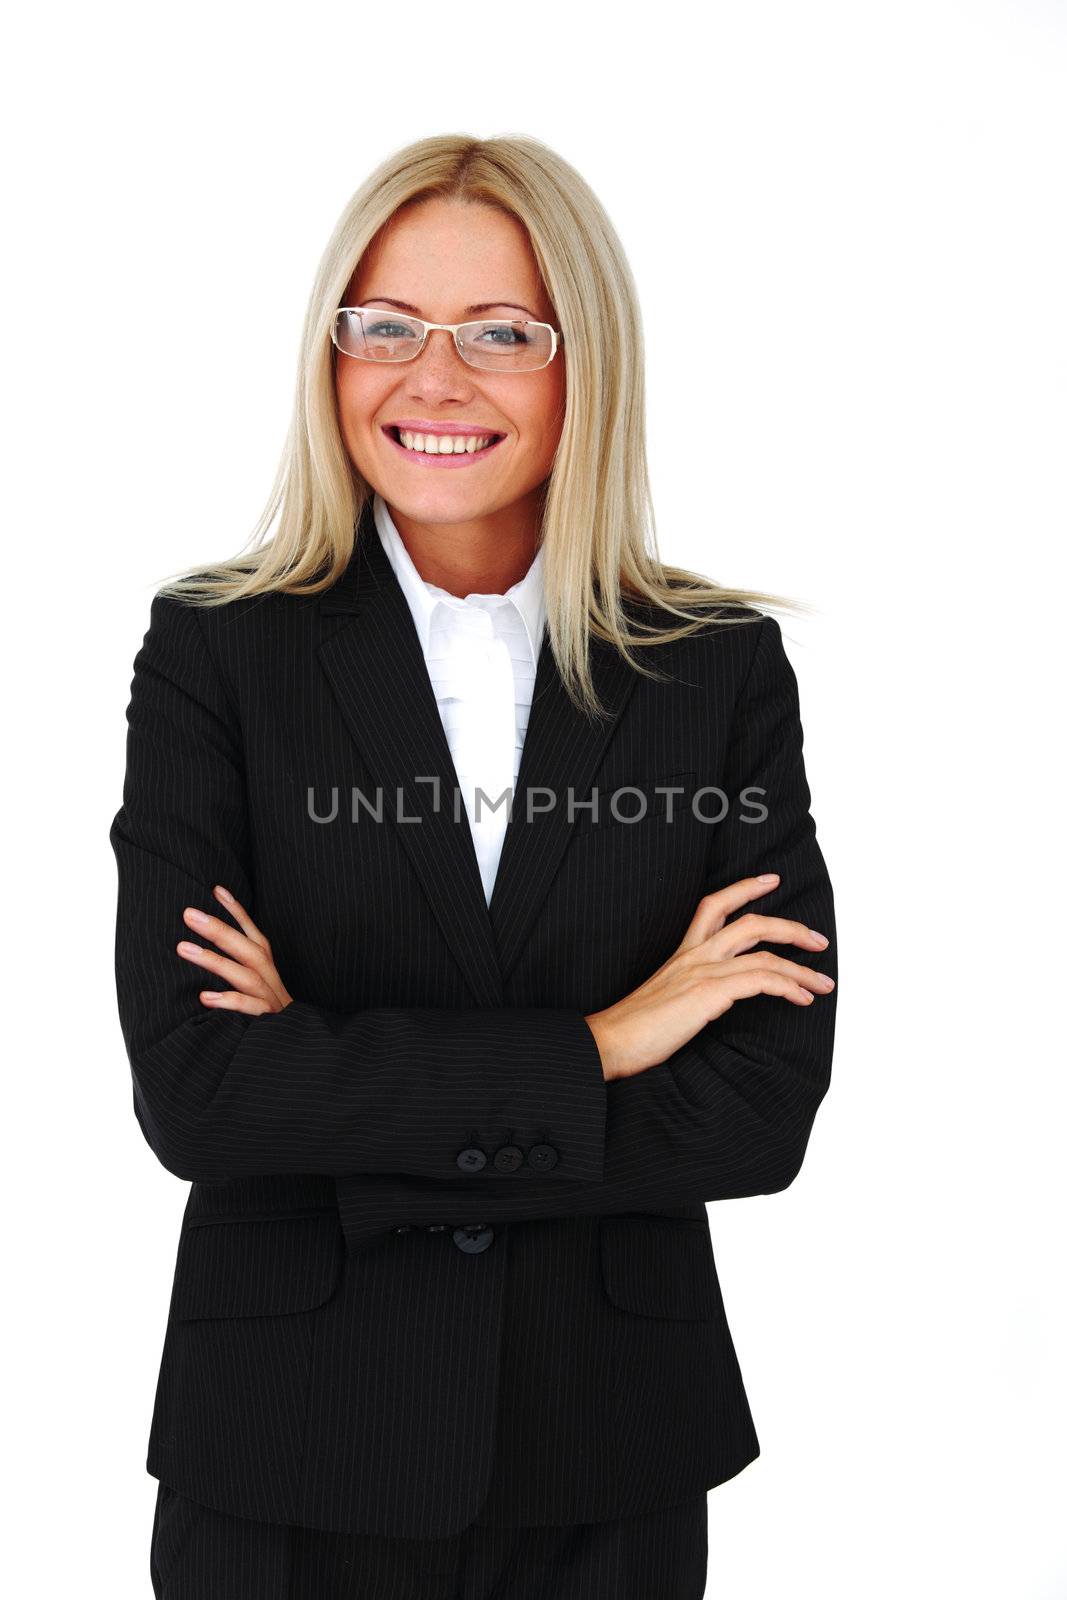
481, 654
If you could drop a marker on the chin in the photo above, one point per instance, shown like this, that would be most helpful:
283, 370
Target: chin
432, 508
443, 502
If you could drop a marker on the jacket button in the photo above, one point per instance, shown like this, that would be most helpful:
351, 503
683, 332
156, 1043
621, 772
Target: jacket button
405, 1227
436, 1227
472, 1160
543, 1157
473, 1239
508, 1157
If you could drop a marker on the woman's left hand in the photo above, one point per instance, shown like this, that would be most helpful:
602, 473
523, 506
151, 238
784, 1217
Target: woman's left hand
257, 984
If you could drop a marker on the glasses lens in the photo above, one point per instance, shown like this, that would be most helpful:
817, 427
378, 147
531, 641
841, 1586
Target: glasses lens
376, 335
506, 346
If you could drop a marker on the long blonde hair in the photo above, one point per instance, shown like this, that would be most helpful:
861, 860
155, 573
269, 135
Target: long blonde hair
598, 527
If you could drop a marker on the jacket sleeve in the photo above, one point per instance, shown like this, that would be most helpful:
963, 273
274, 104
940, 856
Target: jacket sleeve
221, 1095
730, 1113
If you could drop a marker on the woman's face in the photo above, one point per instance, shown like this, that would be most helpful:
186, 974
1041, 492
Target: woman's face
436, 261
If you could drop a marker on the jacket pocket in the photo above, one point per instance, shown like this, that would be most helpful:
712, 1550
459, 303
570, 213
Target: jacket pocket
660, 1267
257, 1268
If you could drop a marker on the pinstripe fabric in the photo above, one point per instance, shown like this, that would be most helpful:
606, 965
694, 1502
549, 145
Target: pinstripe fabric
201, 1554
320, 1368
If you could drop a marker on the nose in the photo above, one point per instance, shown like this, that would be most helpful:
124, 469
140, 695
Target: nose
440, 354
439, 372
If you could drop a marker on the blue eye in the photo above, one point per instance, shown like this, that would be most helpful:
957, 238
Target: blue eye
504, 334
389, 330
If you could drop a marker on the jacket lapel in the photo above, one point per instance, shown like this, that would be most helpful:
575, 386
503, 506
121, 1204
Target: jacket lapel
562, 752
372, 658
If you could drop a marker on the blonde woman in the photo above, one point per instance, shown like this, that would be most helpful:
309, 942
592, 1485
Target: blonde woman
472, 936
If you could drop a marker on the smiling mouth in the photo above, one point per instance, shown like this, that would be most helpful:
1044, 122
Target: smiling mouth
447, 445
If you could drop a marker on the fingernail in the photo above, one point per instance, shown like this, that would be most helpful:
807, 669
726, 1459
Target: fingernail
767, 877
195, 916
817, 935
188, 949
224, 894
826, 982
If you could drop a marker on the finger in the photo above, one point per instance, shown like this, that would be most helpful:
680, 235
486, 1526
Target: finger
250, 954
245, 979
713, 909
763, 960
235, 944
228, 1000
743, 985
237, 910
752, 928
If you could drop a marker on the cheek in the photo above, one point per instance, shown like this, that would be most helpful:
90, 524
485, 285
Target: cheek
358, 402
539, 418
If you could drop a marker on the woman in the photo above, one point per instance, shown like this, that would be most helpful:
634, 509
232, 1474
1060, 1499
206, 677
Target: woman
453, 1081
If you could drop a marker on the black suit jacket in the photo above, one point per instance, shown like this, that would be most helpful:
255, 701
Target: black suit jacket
432, 1268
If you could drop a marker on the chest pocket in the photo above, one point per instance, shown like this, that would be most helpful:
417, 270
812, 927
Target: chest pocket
257, 1267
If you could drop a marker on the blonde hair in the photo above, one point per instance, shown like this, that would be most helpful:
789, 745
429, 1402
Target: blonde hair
598, 530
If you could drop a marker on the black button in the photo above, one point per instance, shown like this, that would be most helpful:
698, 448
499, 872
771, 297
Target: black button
471, 1160
543, 1157
508, 1157
405, 1227
473, 1239
436, 1227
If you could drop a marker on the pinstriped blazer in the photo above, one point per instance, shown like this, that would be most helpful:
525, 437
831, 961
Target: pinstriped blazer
433, 1270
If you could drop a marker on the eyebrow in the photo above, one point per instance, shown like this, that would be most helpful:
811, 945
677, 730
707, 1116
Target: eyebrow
485, 305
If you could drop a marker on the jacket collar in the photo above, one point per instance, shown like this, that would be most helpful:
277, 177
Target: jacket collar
376, 669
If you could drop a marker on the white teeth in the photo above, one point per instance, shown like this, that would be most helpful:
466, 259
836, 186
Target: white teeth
448, 444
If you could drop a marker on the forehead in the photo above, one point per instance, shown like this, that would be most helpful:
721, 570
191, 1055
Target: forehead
443, 255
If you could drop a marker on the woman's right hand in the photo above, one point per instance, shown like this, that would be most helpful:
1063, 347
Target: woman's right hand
710, 969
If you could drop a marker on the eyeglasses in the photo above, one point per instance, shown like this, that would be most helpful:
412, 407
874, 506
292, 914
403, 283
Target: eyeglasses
372, 334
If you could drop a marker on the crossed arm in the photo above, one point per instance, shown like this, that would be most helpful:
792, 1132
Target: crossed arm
704, 1087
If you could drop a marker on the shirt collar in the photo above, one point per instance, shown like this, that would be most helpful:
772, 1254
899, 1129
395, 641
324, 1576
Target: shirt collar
527, 596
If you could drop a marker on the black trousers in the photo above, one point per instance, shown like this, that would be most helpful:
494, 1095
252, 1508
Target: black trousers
201, 1554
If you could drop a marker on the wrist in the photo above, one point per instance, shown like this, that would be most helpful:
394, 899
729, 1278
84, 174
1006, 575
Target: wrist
598, 1028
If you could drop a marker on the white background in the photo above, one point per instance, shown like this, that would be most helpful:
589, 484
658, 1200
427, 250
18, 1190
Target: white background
863, 207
